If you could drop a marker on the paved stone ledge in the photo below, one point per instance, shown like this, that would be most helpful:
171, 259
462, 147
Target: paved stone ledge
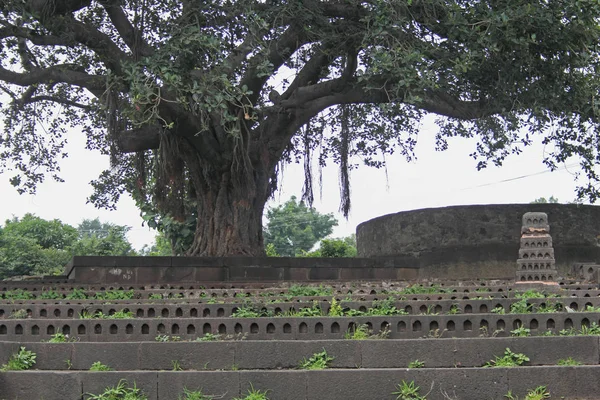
399, 327
275, 355
358, 384
43, 310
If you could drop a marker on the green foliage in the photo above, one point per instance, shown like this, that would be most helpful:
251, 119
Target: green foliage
531, 294
18, 294
98, 366
363, 332
121, 314
194, 395
32, 245
209, 337
309, 291
293, 228
251, 311
61, 338
254, 394
316, 361
76, 294
418, 289
18, 314
176, 365
520, 307
539, 393
167, 338
592, 330
49, 294
543, 200
416, 364
339, 247
455, 309
119, 392
521, 332
335, 310
102, 239
570, 361
115, 295
408, 391
20, 361
509, 359
160, 247
270, 250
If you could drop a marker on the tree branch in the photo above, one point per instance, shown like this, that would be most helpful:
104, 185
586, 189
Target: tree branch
53, 99
54, 74
139, 139
132, 37
35, 38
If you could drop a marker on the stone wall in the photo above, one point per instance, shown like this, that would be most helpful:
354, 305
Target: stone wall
478, 240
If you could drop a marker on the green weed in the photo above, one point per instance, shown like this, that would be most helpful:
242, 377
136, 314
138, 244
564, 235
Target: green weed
520, 307
194, 395
76, 294
310, 291
521, 332
119, 392
416, 364
316, 361
20, 361
336, 309
254, 394
98, 366
539, 393
18, 314
568, 362
362, 332
509, 359
408, 391
61, 338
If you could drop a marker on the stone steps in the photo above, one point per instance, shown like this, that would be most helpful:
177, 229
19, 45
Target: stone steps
453, 334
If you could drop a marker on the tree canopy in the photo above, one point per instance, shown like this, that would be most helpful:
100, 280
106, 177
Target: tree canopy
34, 246
199, 103
293, 228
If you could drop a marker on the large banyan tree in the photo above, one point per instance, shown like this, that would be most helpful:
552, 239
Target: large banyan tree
199, 102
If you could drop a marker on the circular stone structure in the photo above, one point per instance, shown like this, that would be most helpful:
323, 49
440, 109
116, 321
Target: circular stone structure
478, 241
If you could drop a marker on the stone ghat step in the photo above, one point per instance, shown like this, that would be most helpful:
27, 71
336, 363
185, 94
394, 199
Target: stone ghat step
197, 298
295, 328
165, 310
254, 286
569, 383
275, 355
345, 288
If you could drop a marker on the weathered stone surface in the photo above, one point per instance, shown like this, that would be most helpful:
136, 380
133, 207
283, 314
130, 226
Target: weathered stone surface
484, 238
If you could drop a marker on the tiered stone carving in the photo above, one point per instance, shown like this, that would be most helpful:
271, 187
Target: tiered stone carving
536, 255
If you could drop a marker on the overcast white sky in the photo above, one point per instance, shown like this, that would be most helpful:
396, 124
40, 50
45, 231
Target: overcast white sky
435, 179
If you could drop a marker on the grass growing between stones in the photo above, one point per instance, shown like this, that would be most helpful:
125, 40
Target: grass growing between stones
98, 367
539, 393
509, 359
363, 332
61, 338
254, 394
408, 391
316, 361
568, 362
20, 361
119, 392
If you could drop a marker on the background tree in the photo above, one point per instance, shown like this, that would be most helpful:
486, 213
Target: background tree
161, 247
336, 247
32, 245
293, 228
543, 200
102, 239
199, 102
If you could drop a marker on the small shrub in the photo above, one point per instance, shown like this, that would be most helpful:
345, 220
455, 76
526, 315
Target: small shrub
98, 366
194, 395
568, 362
498, 310
119, 392
61, 338
592, 330
155, 296
520, 307
408, 391
209, 337
336, 309
20, 361
530, 294
509, 359
18, 294
49, 295
18, 314
167, 338
539, 393
521, 332
254, 394
76, 294
316, 361
455, 309
309, 291
416, 364
115, 295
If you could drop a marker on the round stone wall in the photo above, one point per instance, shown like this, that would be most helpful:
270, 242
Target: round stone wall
479, 241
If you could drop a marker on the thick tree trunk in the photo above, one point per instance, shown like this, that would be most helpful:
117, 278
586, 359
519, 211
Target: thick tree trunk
230, 217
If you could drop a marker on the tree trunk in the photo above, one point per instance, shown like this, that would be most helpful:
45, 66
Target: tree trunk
229, 216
